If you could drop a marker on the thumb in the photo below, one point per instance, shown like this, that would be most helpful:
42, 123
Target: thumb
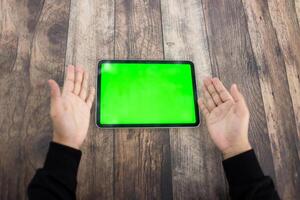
235, 93
55, 91
238, 98
55, 106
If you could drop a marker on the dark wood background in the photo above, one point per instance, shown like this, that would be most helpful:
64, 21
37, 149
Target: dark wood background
254, 43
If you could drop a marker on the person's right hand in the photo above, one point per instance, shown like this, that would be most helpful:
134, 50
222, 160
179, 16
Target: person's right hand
70, 109
227, 117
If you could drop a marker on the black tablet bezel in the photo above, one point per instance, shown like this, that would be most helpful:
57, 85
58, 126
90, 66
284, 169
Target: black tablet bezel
162, 125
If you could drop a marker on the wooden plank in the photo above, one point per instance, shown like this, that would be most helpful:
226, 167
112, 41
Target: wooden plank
32, 47
275, 87
197, 171
233, 61
90, 38
285, 22
142, 156
297, 6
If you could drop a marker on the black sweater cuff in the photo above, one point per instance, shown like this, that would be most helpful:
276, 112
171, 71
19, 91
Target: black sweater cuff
242, 168
63, 161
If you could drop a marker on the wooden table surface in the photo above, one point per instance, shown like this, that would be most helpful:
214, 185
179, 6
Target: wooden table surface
254, 43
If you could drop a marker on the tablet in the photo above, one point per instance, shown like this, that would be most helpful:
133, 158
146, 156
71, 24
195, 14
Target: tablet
146, 93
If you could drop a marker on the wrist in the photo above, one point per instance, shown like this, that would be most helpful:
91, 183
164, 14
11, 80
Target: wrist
65, 142
236, 150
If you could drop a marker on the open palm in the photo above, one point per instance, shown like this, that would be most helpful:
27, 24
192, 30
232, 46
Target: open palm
227, 116
70, 111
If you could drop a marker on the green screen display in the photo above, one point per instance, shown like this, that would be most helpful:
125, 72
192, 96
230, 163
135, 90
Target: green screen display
149, 93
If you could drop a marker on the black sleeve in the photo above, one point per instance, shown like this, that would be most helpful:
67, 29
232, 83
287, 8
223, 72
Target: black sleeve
246, 179
57, 179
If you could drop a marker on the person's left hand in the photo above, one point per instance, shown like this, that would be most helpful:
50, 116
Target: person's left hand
70, 110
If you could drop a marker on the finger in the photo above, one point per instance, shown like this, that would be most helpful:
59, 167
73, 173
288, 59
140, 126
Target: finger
223, 92
203, 108
91, 97
210, 104
212, 91
69, 82
55, 91
237, 96
55, 97
239, 100
84, 87
235, 93
78, 80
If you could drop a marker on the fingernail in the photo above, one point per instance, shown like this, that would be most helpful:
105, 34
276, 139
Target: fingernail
215, 78
235, 85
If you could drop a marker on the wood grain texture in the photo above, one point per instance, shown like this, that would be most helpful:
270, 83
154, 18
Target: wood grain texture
297, 7
142, 156
275, 91
253, 43
285, 23
32, 49
91, 34
233, 61
196, 164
